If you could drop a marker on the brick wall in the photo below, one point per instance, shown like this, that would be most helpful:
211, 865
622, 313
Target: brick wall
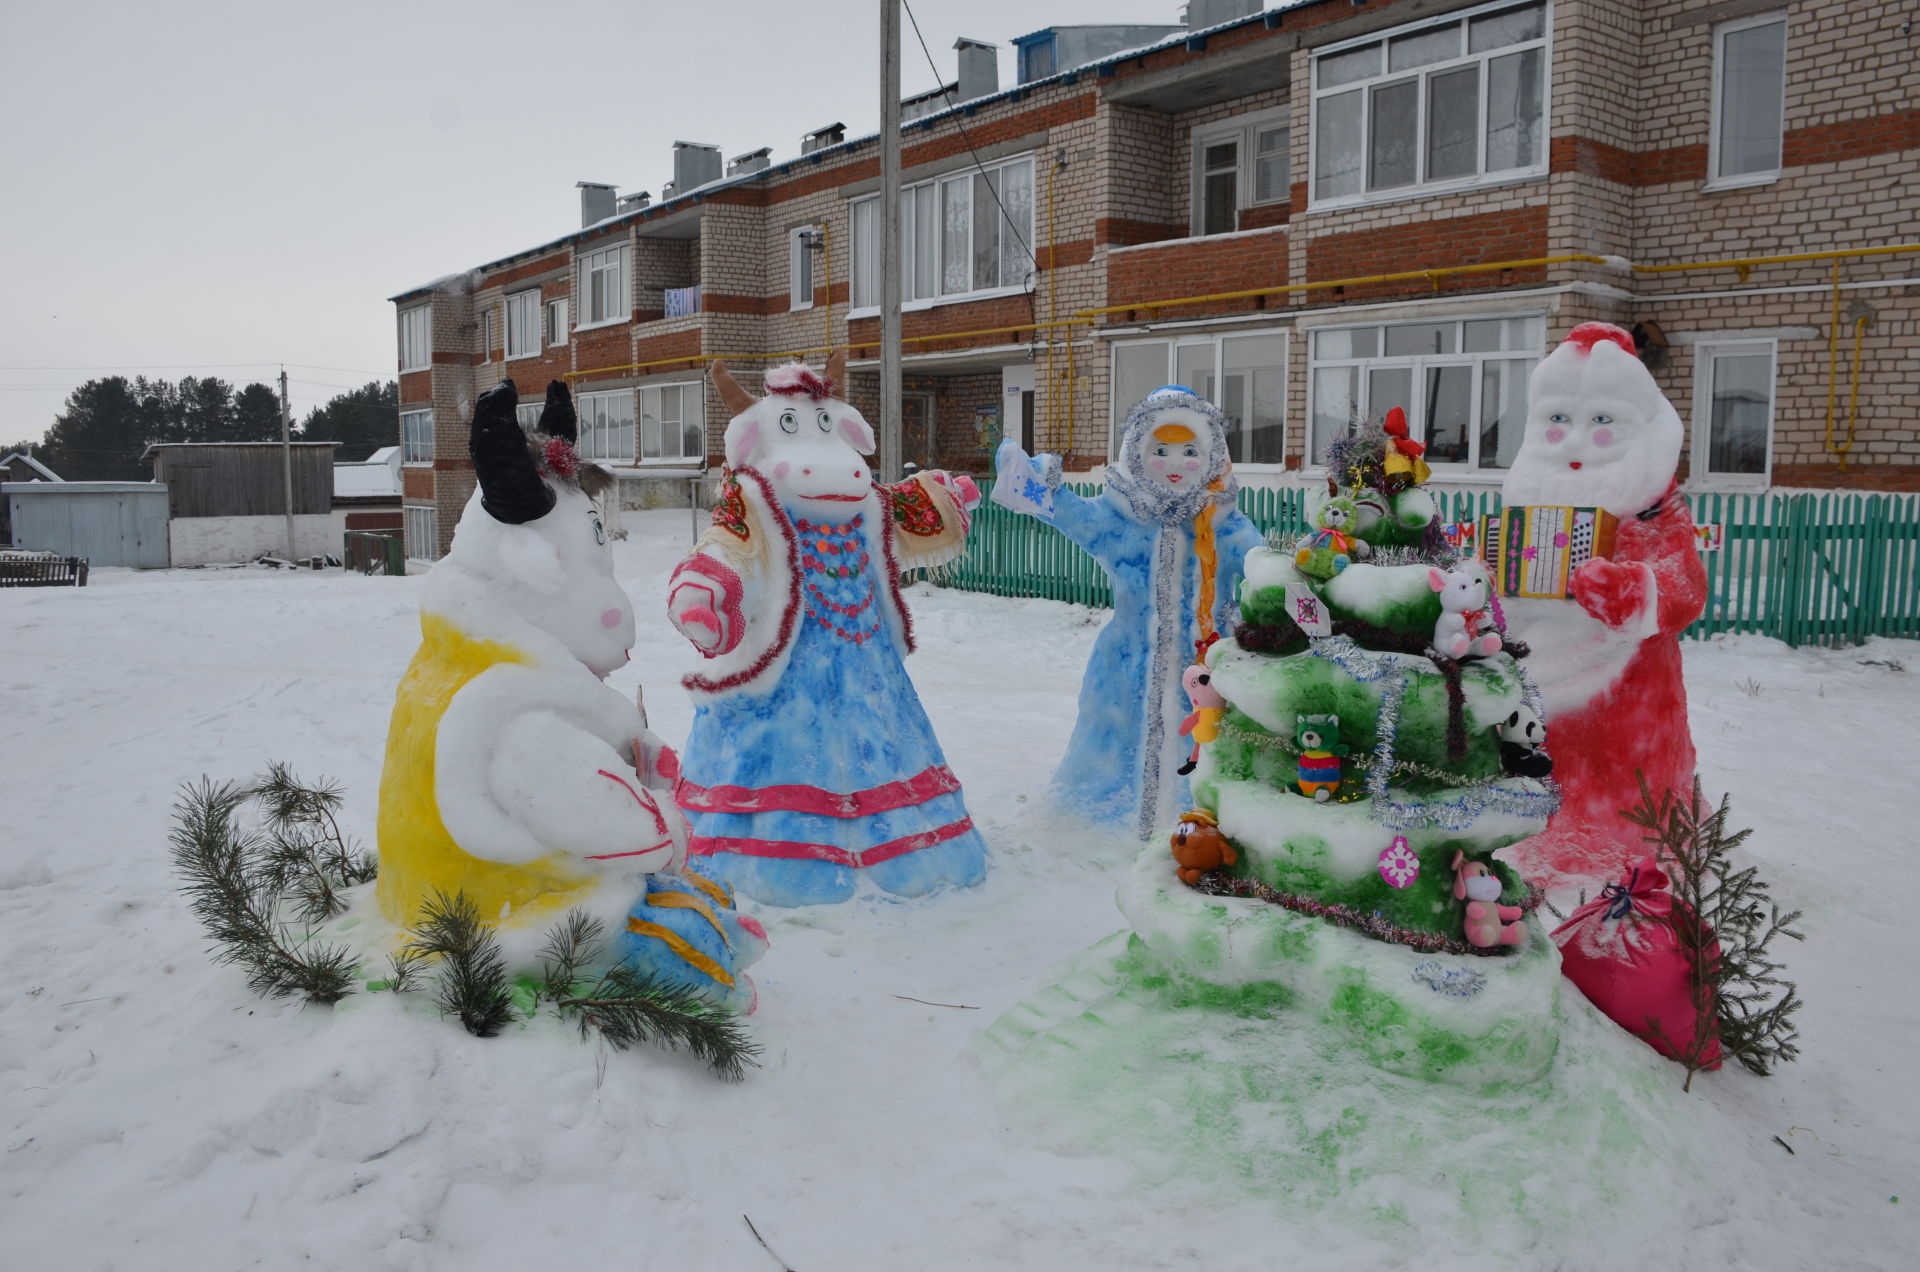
1200, 267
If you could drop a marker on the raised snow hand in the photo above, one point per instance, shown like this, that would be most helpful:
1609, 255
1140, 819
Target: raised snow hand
811, 762
513, 774
1599, 434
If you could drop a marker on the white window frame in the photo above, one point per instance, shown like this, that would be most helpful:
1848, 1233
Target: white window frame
413, 532
1247, 131
527, 414
1118, 410
620, 304
799, 262
483, 325
1720, 33
556, 321
415, 452
1420, 74
1417, 366
863, 258
687, 391
523, 324
416, 330
596, 436
1699, 475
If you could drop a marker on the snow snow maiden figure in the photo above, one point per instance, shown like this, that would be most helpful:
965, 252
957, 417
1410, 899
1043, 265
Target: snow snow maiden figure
1600, 435
513, 774
811, 763
1171, 540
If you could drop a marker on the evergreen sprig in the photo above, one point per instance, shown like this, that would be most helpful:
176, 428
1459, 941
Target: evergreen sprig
306, 856
629, 1007
229, 893
1724, 922
472, 983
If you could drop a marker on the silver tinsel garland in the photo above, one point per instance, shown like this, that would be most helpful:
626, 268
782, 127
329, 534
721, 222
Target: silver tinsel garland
1455, 811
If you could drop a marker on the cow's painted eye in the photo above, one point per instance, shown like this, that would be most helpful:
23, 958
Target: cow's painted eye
1559, 417
789, 422
1603, 419
599, 530
825, 421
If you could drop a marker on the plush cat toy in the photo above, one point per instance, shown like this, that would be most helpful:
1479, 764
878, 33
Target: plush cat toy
1318, 738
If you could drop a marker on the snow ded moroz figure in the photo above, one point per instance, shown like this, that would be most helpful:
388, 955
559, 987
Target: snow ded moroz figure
1167, 532
1600, 435
811, 763
513, 774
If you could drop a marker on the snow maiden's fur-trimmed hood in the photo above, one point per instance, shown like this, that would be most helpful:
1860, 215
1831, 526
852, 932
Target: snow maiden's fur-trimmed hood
1148, 500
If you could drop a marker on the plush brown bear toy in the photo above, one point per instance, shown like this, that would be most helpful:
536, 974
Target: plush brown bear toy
1198, 846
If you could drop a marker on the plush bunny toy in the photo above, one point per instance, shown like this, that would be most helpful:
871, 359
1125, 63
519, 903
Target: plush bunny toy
1465, 626
1488, 922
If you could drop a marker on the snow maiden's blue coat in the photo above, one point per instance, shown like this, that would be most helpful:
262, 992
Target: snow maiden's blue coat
1122, 762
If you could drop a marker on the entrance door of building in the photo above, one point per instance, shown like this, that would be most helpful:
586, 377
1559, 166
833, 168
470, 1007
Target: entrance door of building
918, 433
1016, 404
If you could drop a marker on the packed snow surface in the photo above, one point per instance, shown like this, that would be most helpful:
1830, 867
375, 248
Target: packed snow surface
153, 1114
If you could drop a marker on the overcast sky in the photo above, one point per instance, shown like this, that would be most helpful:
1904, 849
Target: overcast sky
216, 188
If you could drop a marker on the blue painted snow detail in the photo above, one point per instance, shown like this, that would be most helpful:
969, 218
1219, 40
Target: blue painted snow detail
732, 947
1122, 760
844, 717
1460, 982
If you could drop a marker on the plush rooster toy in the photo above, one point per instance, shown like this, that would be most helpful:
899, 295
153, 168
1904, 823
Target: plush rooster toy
1404, 463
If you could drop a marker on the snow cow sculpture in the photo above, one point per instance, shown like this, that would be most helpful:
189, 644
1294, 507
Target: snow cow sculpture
1170, 538
511, 768
1599, 434
811, 763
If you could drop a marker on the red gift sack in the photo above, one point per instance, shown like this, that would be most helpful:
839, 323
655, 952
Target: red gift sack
1622, 952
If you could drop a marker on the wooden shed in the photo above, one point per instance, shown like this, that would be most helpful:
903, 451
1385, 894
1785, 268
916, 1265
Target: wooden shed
227, 500
242, 479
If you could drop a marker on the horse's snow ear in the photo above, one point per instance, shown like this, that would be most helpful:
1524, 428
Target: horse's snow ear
738, 401
511, 489
557, 418
837, 372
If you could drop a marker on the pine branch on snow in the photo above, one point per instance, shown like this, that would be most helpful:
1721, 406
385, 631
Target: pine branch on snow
1725, 922
221, 873
307, 855
629, 1008
472, 983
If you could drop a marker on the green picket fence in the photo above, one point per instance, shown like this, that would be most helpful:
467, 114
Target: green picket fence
1807, 569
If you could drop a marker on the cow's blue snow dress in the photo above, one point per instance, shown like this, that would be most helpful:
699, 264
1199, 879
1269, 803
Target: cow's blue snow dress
836, 770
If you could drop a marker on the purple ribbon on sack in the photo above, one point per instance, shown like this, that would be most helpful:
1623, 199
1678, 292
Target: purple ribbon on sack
1619, 897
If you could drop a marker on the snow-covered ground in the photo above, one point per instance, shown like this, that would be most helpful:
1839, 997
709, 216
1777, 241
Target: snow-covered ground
155, 1115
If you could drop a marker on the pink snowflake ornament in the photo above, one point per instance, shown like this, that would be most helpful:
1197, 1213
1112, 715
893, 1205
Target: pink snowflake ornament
1398, 866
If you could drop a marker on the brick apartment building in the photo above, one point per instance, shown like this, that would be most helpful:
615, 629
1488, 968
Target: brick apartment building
1523, 165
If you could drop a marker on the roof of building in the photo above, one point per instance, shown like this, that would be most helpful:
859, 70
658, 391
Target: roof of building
684, 199
155, 447
373, 478
46, 474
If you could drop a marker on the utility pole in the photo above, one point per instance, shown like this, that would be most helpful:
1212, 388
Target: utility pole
890, 240
286, 458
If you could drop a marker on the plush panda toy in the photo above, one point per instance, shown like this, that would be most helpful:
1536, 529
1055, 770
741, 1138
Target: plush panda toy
1521, 735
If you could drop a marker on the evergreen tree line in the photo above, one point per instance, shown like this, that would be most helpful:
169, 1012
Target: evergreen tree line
107, 423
